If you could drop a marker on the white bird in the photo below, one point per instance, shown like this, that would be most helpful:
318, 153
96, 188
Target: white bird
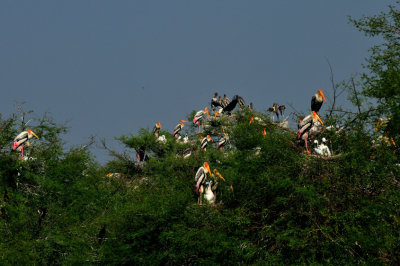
162, 139
322, 149
198, 117
209, 194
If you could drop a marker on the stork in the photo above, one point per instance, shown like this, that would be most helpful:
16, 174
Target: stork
317, 101
156, 129
223, 140
384, 122
235, 100
178, 128
23, 140
209, 195
322, 149
225, 101
198, 117
214, 186
204, 142
251, 120
214, 102
200, 179
274, 110
310, 124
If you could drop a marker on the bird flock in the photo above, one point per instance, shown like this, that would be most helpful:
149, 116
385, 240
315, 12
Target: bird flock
206, 181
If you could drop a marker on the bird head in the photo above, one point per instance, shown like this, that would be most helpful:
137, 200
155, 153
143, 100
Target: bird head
216, 114
321, 94
315, 115
207, 167
209, 138
158, 124
216, 172
30, 132
251, 120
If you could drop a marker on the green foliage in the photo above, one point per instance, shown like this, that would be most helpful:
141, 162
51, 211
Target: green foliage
276, 205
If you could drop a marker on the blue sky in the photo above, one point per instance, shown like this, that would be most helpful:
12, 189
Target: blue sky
112, 67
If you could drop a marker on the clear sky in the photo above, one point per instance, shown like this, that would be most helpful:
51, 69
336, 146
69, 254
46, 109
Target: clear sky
113, 67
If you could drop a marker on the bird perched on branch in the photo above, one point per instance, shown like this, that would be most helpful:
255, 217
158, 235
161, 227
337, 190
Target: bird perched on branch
317, 101
214, 102
198, 117
200, 179
235, 100
178, 128
225, 101
156, 129
322, 149
204, 142
23, 140
223, 140
275, 110
309, 125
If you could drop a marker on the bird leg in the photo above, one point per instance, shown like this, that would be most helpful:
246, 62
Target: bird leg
305, 140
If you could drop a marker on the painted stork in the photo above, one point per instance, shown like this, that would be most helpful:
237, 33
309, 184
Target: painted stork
383, 123
235, 100
178, 128
225, 101
200, 179
156, 129
23, 140
214, 102
310, 124
198, 117
317, 101
223, 140
274, 110
204, 142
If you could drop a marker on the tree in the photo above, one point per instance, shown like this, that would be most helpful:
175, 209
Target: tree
381, 82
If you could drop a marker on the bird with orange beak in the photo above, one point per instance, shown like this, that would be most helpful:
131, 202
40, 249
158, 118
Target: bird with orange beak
222, 141
156, 129
23, 140
200, 179
198, 117
317, 101
310, 124
178, 128
204, 142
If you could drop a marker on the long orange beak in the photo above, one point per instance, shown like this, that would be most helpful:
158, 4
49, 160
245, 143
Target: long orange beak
231, 187
208, 114
183, 121
377, 124
219, 175
264, 132
216, 113
322, 95
207, 167
209, 138
394, 143
251, 120
33, 133
159, 124
316, 116
223, 130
